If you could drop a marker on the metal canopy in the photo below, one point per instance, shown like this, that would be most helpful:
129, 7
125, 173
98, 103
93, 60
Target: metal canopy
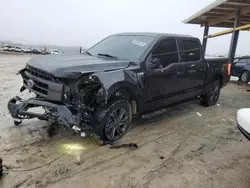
221, 13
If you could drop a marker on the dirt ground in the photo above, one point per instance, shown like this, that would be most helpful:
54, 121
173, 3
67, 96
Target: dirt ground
178, 148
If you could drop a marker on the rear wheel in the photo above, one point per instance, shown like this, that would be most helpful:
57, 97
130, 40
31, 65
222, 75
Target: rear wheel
244, 76
213, 94
112, 121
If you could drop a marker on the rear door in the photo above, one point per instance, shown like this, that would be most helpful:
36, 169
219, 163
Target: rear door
193, 67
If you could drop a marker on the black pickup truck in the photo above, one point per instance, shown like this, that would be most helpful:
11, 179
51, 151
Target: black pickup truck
123, 75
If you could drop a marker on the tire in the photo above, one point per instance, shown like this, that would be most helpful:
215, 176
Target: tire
211, 97
245, 76
112, 121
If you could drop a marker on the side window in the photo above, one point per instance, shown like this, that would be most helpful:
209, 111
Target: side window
166, 52
190, 50
243, 61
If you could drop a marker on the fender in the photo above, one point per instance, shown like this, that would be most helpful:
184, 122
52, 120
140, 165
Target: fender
112, 81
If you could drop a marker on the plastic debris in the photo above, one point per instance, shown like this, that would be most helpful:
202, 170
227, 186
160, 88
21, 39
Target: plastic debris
199, 114
131, 146
217, 104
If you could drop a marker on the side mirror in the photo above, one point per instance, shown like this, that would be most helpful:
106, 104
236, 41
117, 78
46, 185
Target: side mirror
154, 63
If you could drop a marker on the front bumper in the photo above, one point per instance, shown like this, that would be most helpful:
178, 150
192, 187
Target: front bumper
18, 109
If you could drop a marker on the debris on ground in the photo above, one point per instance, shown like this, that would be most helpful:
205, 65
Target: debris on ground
161, 157
199, 114
130, 145
217, 104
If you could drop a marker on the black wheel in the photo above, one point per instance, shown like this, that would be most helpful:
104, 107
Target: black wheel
112, 121
17, 122
211, 97
244, 76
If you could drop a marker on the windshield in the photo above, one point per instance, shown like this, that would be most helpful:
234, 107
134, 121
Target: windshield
122, 46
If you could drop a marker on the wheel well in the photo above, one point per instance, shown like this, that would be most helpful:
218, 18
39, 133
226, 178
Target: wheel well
125, 94
245, 70
220, 78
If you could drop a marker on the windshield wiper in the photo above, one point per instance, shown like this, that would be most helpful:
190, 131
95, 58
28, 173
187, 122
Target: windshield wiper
107, 55
86, 52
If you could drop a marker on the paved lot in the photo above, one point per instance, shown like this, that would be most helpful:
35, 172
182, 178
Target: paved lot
176, 149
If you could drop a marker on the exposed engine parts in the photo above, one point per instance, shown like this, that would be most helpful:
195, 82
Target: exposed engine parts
80, 98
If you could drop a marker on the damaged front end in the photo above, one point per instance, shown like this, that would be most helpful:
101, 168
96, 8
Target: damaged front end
70, 101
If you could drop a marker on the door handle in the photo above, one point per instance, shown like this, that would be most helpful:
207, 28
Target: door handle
202, 69
180, 72
191, 67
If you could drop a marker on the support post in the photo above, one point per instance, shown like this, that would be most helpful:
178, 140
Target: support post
204, 41
235, 36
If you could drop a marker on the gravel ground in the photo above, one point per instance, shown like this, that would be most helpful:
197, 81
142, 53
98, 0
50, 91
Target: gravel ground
178, 148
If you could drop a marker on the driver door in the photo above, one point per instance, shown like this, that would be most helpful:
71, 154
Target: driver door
162, 77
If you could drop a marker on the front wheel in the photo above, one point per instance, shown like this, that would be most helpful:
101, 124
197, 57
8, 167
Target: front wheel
112, 121
211, 97
244, 76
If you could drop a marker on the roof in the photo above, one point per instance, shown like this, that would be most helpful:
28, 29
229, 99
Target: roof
154, 34
222, 13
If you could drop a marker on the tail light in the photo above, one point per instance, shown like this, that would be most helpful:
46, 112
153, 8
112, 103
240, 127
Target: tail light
229, 68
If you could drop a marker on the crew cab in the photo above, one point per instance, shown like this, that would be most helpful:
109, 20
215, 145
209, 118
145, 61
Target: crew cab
123, 75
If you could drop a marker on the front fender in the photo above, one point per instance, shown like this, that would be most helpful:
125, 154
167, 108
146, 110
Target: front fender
119, 79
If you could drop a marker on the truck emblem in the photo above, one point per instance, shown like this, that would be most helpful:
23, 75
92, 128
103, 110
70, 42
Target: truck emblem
30, 83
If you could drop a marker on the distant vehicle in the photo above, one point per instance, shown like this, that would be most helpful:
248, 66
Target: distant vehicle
26, 50
54, 51
36, 51
241, 68
16, 49
123, 75
243, 121
8, 48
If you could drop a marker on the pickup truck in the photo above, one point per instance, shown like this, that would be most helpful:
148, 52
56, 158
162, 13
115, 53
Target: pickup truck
123, 75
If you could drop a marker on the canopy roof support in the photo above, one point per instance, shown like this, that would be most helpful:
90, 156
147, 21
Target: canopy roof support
204, 42
243, 27
233, 14
235, 36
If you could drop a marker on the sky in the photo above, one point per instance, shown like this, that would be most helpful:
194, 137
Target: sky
85, 22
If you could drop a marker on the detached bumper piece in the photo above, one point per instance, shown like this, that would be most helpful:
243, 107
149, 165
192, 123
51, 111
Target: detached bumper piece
18, 109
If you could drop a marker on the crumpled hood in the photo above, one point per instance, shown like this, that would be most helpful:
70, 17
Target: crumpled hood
62, 65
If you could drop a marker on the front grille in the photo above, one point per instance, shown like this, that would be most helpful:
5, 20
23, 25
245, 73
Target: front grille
44, 84
39, 86
40, 74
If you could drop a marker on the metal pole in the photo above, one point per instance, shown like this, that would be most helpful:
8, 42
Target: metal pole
204, 41
235, 36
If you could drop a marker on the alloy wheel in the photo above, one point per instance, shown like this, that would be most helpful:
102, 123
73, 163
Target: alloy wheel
116, 124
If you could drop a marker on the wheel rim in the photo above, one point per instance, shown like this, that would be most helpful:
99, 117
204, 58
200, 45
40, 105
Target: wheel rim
116, 124
215, 93
244, 76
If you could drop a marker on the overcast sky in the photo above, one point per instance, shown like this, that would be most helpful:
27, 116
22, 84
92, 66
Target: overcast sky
84, 22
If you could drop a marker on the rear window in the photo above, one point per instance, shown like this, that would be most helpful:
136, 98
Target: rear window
190, 50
